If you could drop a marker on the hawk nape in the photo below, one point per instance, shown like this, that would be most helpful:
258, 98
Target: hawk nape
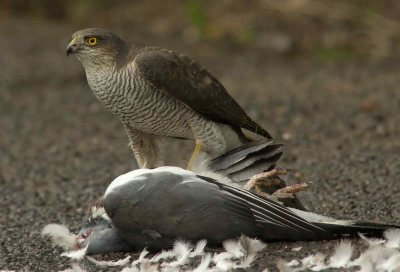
157, 92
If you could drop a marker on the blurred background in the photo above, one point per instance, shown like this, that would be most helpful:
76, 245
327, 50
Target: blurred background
319, 29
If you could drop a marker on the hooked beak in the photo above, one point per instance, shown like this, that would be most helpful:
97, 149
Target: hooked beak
72, 48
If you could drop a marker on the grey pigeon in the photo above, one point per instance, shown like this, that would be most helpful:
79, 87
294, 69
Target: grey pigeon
154, 207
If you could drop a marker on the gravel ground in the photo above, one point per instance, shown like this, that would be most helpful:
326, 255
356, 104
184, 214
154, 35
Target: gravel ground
59, 148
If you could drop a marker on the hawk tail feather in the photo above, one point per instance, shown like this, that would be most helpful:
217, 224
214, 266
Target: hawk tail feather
247, 160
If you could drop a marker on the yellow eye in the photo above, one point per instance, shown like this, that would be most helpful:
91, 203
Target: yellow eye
91, 41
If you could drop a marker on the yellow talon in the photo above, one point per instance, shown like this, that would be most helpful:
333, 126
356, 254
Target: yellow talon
195, 154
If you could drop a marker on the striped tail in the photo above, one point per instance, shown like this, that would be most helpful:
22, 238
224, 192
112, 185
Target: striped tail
243, 162
252, 158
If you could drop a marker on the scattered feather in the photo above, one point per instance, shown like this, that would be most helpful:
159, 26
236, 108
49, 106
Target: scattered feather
222, 257
381, 255
142, 257
204, 264
121, 262
373, 256
296, 249
163, 255
371, 241
233, 247
182, 250
97, 211
393, 238
315, 262
251, 245
247, 261
225, 265
199, 249
76, 254
293, 263
60, 236
342, 255
391, 264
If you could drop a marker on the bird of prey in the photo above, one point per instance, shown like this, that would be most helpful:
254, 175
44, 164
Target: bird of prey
157, 92
154, 207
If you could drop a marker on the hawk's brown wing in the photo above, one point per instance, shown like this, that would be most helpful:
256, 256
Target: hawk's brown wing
190, 83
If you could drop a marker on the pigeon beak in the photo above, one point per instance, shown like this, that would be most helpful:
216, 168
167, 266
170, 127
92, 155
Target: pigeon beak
72, 48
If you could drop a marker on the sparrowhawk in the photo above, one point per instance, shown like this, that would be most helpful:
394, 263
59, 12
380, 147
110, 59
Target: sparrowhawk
156, 92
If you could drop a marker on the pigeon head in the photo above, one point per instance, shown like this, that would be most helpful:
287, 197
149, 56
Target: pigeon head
98, 233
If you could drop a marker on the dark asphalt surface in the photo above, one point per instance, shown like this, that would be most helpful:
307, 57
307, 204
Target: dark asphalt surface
59, 148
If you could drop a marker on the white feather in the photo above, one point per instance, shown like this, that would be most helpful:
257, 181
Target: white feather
371, 241
373, 256
201, 168
381, 255
251, 245
199, 249
316, 262
99, 212
121, 262
293, 263
201, 163
342, 255
165, 254
76, 254
222, 257
142, 257
247, 261
393, 238
296, 249
182, 250
204, 264
234, 248
225, 265
391, 264
60, 236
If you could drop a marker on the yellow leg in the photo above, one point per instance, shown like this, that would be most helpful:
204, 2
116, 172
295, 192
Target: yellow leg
196, 152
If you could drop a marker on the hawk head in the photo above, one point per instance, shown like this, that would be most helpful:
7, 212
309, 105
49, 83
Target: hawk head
96, 46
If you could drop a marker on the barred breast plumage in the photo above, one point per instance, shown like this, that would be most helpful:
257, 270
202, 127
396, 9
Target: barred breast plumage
157, 92
139, 104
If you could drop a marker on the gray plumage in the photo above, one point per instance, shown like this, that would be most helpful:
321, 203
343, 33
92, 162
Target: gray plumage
153, 207
157, 92
173, 202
